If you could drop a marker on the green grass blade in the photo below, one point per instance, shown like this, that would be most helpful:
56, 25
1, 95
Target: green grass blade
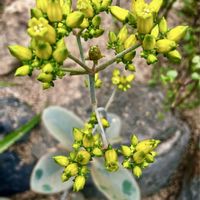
12, 137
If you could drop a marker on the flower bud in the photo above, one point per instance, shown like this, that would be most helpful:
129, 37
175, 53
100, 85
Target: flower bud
84, 170
98, 32
79, 183
71, 170
149, 158
88, 141
95, 53
78, 135
137, 171
60, 54
61, 43
97, 5
83, 157
97, 152
48, 68
145, 23
46, 85
43, 77
37, 13
147, 146
97, 139
61, 160
42, 5
123, 34
163, 25
139, 157
130, 67
119, 13
130, 78
66, 7
112, 37
174, 56
134, 140
165, 45
126, 151
64, 177
149, 42
151, 59
126, 164
155, 32
86, 8
105, 123
74, 19
155, 5
111, 159
96, 21
54, 11
43, 50
20, 52
85, 23
130, 41
23, 70
177, 33
129, 56
105, 4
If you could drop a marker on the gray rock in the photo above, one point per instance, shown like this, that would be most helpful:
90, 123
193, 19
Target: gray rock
142, 112
14, 174
190, 189
13, 114
13, 31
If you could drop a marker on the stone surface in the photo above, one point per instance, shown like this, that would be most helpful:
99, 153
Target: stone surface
14, 174
190, 189
13, 31
142, 112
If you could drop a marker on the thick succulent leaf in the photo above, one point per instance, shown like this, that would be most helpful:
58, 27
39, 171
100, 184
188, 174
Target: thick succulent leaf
60, 123
46, 176
119, 185
113, 132
14, 136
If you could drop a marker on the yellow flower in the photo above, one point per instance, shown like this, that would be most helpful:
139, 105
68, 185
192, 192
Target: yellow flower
79, 183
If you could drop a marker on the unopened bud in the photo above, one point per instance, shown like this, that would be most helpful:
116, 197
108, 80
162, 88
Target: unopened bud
165, 45
138, 157
97, 152
71, 170
123, 34
126, 164
37, 13
126, 151
43, 50
83, 157
130, 67
155, 5
88, 141
134, 140
145, 23
105, 123
60, 54
43, 77
155, 31
42, 5
48, 68
137, 171
177, 33
78, 135
96, 21
66, 7
112, 37
174, 56
61, 160
163, 25
54, 11
151, 59
130, 41
23, 70
86, 8
149, 42
105, 4
119, 13
79, 183
111, 159
46, 85
20, 52
74, 19
95, 53
85, 23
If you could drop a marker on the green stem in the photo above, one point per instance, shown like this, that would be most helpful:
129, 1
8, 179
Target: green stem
111, 61
92, 92
82, 64
74, 71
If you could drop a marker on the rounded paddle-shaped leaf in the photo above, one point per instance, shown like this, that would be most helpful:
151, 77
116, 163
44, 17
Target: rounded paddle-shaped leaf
60, 123
119, 185
46, 176
113, 132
